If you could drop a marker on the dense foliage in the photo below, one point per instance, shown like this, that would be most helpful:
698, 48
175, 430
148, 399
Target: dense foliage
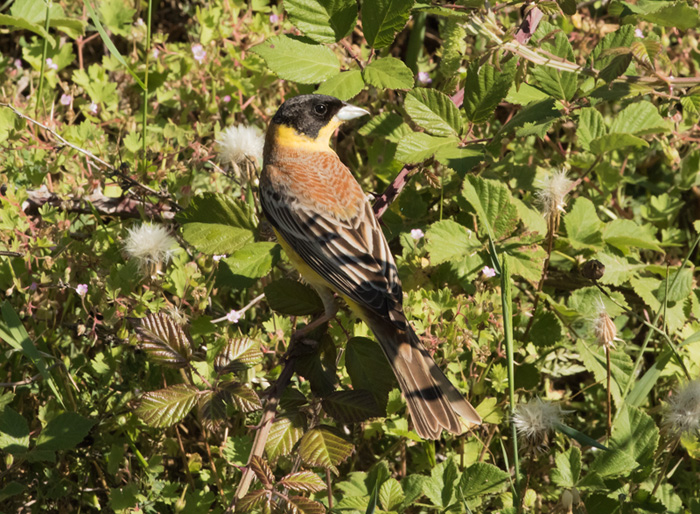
543, 181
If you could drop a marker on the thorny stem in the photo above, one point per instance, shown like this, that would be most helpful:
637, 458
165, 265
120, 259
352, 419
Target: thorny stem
391, 192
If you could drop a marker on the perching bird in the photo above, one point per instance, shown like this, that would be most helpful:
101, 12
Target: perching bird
326, 225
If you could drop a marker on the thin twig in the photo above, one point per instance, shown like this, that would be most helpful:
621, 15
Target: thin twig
387, 198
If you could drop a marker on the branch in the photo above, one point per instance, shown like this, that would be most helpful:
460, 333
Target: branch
529, 25
387, 198
123, 207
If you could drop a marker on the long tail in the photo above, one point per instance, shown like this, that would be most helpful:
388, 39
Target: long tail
433, 401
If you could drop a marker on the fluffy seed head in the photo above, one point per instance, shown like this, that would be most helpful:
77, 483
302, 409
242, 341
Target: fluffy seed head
241, 142
552, 193
683, 410
151, 245
534, 421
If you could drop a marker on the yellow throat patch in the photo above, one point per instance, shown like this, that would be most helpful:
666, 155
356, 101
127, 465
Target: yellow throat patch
288, 137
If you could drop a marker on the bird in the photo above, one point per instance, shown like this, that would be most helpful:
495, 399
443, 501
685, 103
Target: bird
325, 224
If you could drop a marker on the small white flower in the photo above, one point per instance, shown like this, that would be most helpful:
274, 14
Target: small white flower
150, 245
155, 53
682, 414
638, 33
18, 64
233, 316
217, 258
140, 22
93, 108
534, 421
52, 65
81, 289
239, 142
226, 99
488, 272
553, 191
274, 18
424, 77
198, 52
66, 99
417, 234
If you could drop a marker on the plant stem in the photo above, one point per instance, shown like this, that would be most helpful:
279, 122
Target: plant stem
607, 361
145, 78
506, 300
43, 61
415, 42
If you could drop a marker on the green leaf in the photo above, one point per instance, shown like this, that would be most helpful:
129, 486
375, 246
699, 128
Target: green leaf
324, 21
620, 367
388, 73
613, 463
568, 469
343, 86
368, 368
611, 142
644, 385
623, 234
583, 227
418, 147
391, 495
447, 240
491, 201
434, 111
617, 66
535, 118
559, 84
352, 406
216, 224
253, 261
386, 124
485, 88
64, 432
482, 478
14, 431
24, 24
440, 486
678, 288
304, 481
239, 354
165, 341
546, 331
291, 297
322, 447
621, 38
640, 118
292, 59
284, 434
618, 269
461, 158
673, 14
11, 489
165, 407
243, 396
382, 19
582, 438
590, 126
635, 433
304, 505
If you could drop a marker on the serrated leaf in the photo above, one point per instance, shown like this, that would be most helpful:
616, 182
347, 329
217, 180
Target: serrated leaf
368, 368
352, 406
253, 261
616, 67
304, 481
292, 59
391, 495
165, 407
165, 341
673, 14
387, 124
635, 434
482, 478
262, 470
620, 366
485, 88
245, 398
611, 142
284, 434
239, 354
324, 21
621, 38
304, 505
583, 227
623, 234
640, 51
382, 19
591, 125
322, 447
679, 288
535, 118
433, 111
640, 118
568, 469
491, 201
418, 147
440, 486
343, 86
561, 85
447, 240
613, 463
462, 159
24, 24
253, 499
291, 297
388, 73
568, 7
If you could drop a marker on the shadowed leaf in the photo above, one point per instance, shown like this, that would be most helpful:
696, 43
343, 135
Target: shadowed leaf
165, 341
321, 447
166, 407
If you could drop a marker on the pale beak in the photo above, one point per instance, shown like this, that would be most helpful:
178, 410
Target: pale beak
350, 112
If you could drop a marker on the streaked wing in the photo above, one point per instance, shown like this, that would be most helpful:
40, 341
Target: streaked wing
352, 255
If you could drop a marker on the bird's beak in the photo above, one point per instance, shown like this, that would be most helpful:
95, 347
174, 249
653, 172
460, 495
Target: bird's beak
349, 112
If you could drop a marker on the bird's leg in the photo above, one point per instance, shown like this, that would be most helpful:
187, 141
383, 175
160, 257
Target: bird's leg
330, 308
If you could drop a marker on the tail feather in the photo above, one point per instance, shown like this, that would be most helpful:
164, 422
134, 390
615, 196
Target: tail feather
434, 403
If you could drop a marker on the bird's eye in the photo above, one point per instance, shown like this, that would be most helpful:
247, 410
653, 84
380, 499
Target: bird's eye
320, 109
